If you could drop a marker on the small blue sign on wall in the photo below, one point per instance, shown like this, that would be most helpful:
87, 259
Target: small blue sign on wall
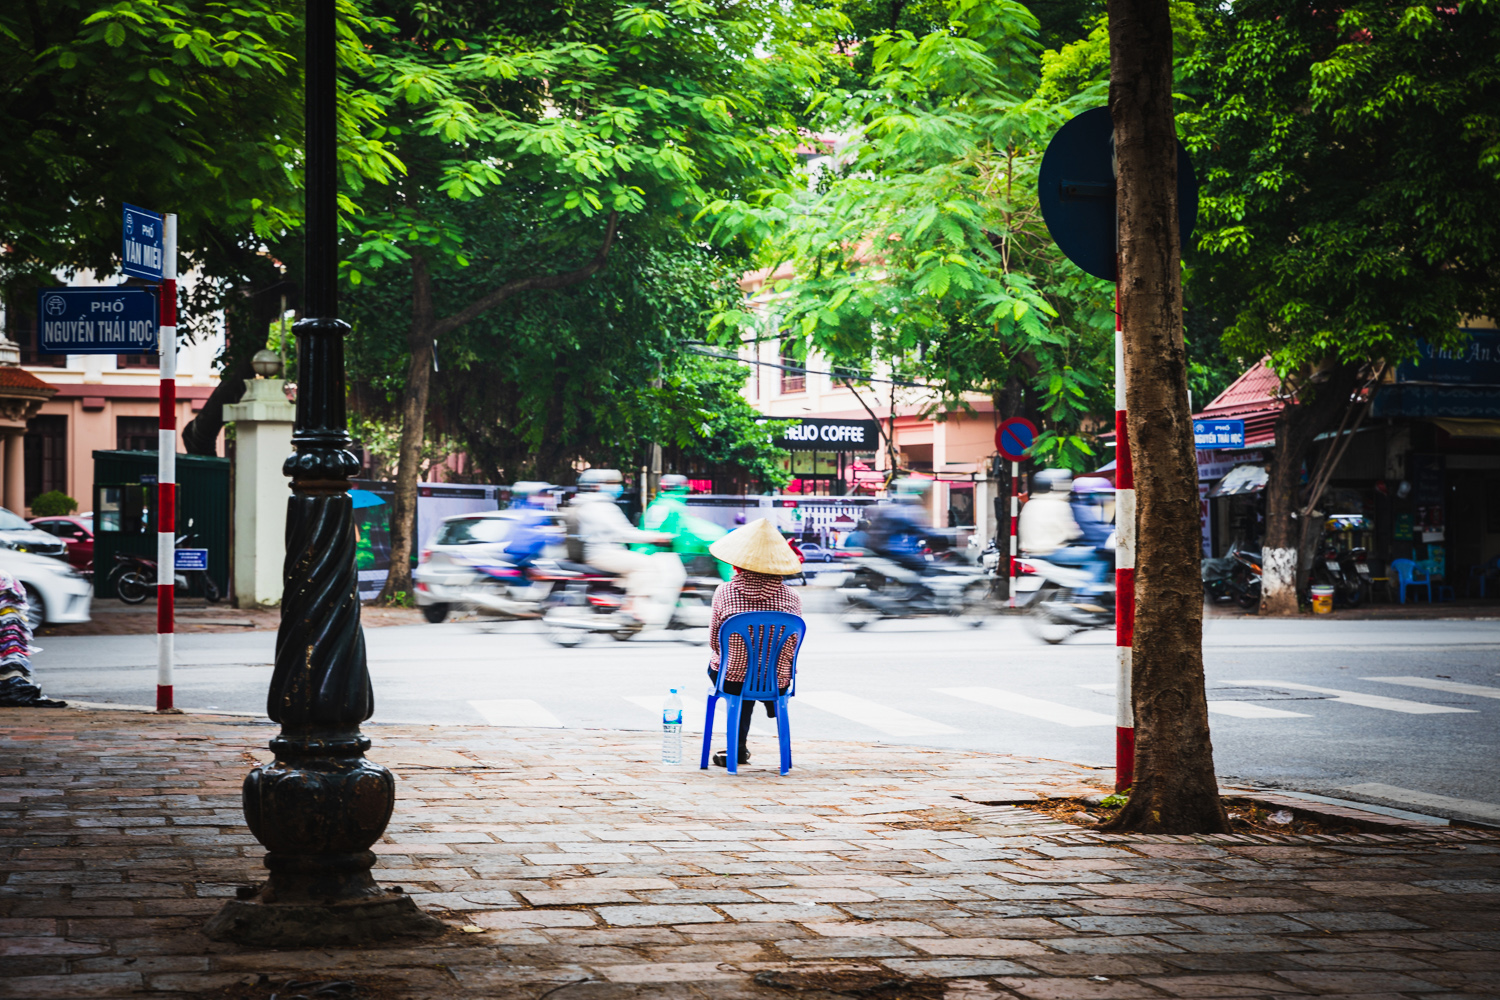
142, 250
189, 560
1208, 434
96, 320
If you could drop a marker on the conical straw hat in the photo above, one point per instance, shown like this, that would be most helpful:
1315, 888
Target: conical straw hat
759, 548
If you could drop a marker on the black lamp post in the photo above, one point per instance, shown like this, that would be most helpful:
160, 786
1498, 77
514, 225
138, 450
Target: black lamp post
320, 805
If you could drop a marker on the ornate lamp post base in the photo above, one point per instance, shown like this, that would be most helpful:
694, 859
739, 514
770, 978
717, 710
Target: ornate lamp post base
318, 807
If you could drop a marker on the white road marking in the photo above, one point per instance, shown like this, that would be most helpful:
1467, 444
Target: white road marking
1488, 810
1360, 698
516, 712
1250, 710
1237, 709
1050, 711
891, 721
1454, 687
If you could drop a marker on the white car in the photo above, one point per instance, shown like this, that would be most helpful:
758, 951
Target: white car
448, 577
56, 593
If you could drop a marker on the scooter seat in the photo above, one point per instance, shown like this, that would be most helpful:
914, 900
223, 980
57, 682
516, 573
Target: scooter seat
567, 566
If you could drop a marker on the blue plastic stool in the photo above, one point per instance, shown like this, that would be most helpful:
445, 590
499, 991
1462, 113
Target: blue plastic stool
765, 634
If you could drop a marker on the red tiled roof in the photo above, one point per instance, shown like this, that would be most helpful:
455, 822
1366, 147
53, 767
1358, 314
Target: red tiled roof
1251, 392
20, 378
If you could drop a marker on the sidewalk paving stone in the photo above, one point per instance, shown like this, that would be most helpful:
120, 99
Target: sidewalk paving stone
585, 865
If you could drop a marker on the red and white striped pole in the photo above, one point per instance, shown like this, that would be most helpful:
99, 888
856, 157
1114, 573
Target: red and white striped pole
166, 469
1015, 514
1124, 572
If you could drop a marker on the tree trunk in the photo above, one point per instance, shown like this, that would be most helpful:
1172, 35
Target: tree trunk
244, 334
1175, 788
1300, 421
413, 432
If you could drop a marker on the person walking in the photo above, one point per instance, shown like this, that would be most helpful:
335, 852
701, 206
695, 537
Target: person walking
761, 561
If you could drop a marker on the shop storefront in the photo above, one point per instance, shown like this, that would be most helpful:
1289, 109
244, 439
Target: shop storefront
827, 455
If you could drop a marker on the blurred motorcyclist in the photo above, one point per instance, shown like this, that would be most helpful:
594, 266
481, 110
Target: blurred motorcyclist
898, 529
1093, 503
533, 533
1049, 529
600, 528
691, 536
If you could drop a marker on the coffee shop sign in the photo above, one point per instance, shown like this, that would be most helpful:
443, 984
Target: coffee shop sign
812, 432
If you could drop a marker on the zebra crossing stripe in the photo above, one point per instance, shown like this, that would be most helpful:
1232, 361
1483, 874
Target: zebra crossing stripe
1364, 700
1236, 709
516, 712
1435, 684
891, 721
1050, 711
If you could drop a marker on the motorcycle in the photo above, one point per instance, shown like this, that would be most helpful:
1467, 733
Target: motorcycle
1340, 571
586, 601
1235, 576
496, 587
883, 588
134, 577
1070, 600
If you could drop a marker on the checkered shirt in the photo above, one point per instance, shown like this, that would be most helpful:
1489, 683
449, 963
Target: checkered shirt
749, 591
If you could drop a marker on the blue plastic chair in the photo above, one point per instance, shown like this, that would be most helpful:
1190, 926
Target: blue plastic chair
1409, 574
765, 634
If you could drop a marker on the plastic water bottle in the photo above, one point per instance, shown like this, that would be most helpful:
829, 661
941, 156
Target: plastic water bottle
671, 729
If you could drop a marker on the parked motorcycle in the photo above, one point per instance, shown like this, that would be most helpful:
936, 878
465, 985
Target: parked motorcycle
585, 601
881, 588
134, 577
1234, 576
1339, 570
1070, 600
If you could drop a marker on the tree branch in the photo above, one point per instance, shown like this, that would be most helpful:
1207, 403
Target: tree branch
540, 281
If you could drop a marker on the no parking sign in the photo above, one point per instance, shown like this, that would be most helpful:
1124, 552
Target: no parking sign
1014, 438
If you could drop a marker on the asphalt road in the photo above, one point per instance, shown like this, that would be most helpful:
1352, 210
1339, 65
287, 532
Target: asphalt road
1398, 713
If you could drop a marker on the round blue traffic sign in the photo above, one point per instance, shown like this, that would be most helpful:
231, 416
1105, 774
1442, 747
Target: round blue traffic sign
1014, 438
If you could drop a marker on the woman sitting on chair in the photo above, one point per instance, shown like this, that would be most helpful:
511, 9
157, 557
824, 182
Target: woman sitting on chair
761, 559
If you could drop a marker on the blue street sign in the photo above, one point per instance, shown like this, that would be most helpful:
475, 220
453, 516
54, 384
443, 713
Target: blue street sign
1209, 434
189, 560
143, 250
1076, 189
96, 320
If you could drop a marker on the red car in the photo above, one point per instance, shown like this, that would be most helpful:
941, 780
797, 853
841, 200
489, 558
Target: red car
77, 530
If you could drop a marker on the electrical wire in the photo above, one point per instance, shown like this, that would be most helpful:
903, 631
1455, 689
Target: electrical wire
842, 376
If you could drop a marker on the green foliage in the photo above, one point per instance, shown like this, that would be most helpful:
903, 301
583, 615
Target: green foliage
186, 106
54, 503
1350, 159
923, 249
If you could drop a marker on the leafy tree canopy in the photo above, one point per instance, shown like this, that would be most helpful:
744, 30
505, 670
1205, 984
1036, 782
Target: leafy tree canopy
1350, 159
922, 247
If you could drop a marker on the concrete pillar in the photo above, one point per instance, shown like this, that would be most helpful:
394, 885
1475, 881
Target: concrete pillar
263, 439
15, 472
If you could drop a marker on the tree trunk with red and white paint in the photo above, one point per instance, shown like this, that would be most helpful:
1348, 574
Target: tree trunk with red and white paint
1175, 789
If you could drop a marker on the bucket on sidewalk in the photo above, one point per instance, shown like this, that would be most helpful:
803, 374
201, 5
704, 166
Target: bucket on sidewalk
1322, 600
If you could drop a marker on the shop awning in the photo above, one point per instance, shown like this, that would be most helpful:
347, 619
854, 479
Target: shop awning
1470, 428
1240, 479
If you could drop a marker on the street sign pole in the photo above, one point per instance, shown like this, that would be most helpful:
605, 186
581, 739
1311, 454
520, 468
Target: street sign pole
1015, 517
166, 469
1124, 572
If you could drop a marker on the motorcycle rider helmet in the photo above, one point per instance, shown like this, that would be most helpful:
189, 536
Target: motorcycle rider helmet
911, 490
1052, 481
607, 481
673, 483
1093, 484
528, 494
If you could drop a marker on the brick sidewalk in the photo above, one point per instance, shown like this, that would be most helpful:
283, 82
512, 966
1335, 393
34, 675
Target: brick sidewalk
571, 859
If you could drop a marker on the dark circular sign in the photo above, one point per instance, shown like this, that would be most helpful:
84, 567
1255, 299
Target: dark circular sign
1014, 437
1076, 188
